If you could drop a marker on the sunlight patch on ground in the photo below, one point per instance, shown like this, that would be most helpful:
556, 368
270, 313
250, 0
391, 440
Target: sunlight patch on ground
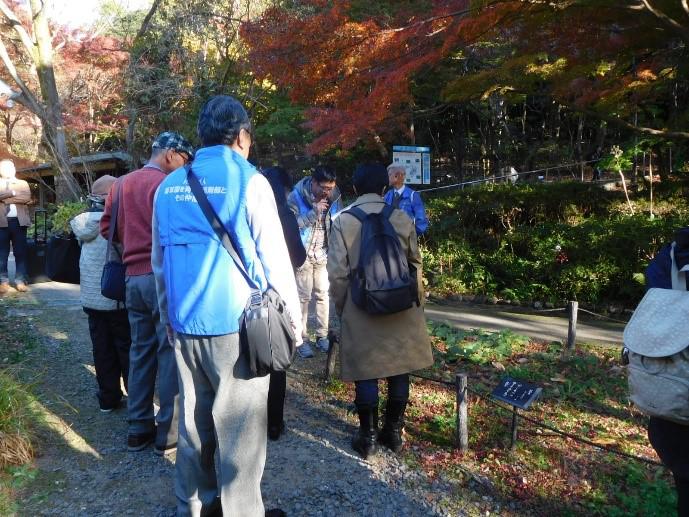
56, 334
73, 439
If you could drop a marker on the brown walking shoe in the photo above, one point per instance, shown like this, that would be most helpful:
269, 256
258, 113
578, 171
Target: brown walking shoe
4, 288
22, 287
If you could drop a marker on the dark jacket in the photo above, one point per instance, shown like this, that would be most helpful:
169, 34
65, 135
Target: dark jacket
290, 228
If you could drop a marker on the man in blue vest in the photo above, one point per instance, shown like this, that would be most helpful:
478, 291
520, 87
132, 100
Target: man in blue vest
407, 199
314, 201
202, 295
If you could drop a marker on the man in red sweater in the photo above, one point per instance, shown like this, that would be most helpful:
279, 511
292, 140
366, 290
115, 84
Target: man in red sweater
151, 351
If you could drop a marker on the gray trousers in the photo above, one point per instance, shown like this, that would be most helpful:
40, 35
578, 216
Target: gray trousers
312, 277
225, 410
150, 352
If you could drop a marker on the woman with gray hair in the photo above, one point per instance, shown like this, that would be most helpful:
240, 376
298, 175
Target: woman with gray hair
108, 322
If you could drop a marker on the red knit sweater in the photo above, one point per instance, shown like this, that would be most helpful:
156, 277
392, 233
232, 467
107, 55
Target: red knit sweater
134, 217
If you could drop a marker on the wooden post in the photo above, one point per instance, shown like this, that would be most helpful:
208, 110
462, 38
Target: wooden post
462, 424
572, 330
515, 420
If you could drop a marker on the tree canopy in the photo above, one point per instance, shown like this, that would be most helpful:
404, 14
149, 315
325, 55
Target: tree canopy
357, 64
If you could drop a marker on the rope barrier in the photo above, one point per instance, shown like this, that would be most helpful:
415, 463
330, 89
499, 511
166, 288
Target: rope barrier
602, 316
439, 301
493, 178
542, 424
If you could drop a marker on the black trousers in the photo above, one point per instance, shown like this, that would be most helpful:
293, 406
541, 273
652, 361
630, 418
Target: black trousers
671, 442
111, 339
276, 398
17, 236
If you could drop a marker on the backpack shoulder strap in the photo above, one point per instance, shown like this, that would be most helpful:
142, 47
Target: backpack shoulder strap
387, 210
357, 212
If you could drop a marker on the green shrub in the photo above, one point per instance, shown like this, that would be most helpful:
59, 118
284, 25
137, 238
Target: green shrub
63, 215
504, 240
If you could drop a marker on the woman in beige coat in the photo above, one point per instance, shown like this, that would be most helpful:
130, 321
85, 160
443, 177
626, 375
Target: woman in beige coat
376, 346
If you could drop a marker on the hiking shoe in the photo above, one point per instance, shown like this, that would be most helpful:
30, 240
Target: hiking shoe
274, 431
22, 287
138, 442
162, 450
323, 344
110, 409
305, 351
4, 288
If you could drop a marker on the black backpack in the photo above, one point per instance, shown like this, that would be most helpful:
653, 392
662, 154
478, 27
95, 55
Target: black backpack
383, 282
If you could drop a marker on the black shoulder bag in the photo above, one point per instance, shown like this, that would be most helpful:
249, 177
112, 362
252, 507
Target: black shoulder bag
265, 328
112, 284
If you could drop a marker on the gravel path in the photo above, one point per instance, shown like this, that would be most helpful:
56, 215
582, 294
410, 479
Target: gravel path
85, 470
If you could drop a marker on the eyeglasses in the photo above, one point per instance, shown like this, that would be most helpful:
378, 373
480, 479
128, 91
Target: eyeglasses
185, 156
326, 188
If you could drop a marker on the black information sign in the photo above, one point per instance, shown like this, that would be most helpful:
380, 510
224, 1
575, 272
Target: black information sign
516, 393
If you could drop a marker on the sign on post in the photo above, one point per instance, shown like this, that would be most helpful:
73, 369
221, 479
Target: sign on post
516, 393
416, 161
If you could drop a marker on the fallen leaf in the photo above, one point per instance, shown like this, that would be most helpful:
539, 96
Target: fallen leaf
558, 379
498, 366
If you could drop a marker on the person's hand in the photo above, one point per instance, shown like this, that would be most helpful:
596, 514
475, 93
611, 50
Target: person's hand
322, 206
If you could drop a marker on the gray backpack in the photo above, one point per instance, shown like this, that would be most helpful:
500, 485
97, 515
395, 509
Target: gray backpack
657, 339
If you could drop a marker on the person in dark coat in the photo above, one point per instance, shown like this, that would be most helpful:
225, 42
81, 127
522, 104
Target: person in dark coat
281, 183
669, 439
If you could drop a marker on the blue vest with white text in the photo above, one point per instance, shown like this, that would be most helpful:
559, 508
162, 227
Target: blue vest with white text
206, 293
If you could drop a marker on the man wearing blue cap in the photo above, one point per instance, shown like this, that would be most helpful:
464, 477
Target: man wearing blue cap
150, 352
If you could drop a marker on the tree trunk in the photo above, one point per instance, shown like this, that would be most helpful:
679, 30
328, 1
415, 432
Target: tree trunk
66, 186
580, 152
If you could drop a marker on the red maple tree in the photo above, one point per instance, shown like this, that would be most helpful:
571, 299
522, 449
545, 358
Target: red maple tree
356, 71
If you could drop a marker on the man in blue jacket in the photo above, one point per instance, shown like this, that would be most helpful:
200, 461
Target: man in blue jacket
314, 201
407, 199
202, 295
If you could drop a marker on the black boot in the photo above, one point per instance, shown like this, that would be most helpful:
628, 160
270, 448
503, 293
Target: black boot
365, 440
391, 434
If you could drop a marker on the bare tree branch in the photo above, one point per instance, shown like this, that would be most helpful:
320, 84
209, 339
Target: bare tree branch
27, 98
147, 20
18, 27
668, 20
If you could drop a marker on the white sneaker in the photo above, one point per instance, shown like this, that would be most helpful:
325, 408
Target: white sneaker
305, 351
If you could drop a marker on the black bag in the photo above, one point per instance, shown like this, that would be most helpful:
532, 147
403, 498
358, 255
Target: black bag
36, 248
382, 282
266, 335
62, 259
112, 281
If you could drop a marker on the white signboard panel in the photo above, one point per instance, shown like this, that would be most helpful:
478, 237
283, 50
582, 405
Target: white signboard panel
416, 161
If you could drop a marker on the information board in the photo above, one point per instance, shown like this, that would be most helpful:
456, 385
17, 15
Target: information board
516, 393
416, 161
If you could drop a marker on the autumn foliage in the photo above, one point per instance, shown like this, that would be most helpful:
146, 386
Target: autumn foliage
355, 73
355, 64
